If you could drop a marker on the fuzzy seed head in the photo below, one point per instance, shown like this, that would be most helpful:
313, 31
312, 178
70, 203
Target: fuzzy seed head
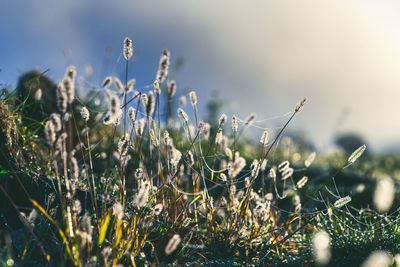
356, 154
130, 85
62, 98
264, 138
162, 72
171, 88
56, 120
342, 201
183, 115
182, 101
85, 114
118, 84
384, 194
128, 49
234, 124
321, 247
250, 119
218, 137
300, 105
222, 120
50, 132
150, 104
173, 244
131, 114
302, 182
107, 81
193, 98
38, 94
310, 159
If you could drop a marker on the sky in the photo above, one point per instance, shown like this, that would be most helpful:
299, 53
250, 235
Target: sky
261, 56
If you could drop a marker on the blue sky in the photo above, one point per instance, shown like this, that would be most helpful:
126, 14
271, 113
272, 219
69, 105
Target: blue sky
262, 56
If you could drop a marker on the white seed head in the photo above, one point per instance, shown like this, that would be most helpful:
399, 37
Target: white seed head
157, 88
222, 120
62, 98
250, 119
130, 85
237, 167
56, 120
162, 72
173, 244
321, 247
356, 154
183, 115
300, 105
128, 49
264, 138
50, 132
171, 88
310, 159
384, 194
150, 104
342, 201
85, 114
234, 124
69, 88
193, 98
107, 81
378, 259
118, 84
38, 94
131, 114
218, 137
302, 182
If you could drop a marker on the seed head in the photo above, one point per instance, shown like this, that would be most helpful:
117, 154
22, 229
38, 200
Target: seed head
118, 84
130, 85
250, 119
162, 72
157, 88
56, 120
128, 49
234, 124
310, 159
356, 154
171, 88
183, 115
85, 114
50, 132
62, 98
342, 201
38, 94
131, 114
264, 138
107, 81
384, 194
150, 104
300, 105
173, 244
193, 98
222, 120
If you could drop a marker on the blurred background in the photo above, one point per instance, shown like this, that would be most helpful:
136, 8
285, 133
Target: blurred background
257, 56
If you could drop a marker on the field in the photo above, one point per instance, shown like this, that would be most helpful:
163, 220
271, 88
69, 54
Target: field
130, 176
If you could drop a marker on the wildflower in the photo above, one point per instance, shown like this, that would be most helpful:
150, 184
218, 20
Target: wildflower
38, 94
384, 194
310, 159
193, 98
107, 81
85, 114
264, 138
356, 154
302, 182
173, 244
162, 72
321, 247
171, 88
128, 49
50, 132
300, 105
342, 201
56, 120
62, 98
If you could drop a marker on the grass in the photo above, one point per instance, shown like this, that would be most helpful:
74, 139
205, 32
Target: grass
153, 188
